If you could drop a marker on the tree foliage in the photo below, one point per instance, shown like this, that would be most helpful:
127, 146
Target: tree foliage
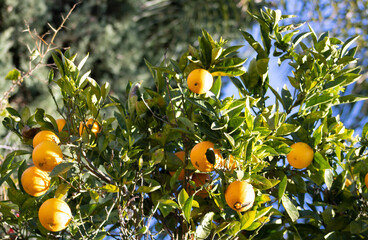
117, 182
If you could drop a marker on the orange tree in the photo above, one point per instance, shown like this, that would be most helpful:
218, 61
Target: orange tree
166, 162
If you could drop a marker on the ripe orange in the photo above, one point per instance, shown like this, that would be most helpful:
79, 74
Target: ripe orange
45, 136
35, 181
227, 164
199, 81
60, 124
200, 179
240, 196
199, 159
92, 125
301, 155
366, 180
181, 156
47, 155
54, 214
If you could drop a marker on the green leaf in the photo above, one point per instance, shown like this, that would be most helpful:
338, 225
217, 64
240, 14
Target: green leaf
61, 169
182, 197
347, 44
290, 208
287, 99
329, 178
204, 228
62, 190
168, 202
110, 188
314, 116
13, 75
247, 219
358, 226
6, 177
321, 161
261, 182
351, 99
146, 189
254, 44
230, 63
282, 187
216, 87
187, 209
300, 37
262, 66
286, 129
318, 100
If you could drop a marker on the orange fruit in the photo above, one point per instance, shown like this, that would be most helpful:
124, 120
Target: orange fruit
199, 81
54, 214
348, 182
200, 179
240, 196
301, 155
181, 156
227, 164
45, 136
199, 159
366, 180
35, 181
92, 125
60, 124
47, 155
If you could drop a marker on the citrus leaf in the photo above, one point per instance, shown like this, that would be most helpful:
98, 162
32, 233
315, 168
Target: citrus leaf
247, 219
62, 190
61, 169
187, 209
205, 227
290, 208
182, 197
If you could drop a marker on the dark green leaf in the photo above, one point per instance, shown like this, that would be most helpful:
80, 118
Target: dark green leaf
347, 44
61, 169
282, 187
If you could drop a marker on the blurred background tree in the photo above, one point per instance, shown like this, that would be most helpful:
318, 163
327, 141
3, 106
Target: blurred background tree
118, 34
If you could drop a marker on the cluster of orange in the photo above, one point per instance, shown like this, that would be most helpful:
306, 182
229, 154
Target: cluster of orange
239, 195
54, 214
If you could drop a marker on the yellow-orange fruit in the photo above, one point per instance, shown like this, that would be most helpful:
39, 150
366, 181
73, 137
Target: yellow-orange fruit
199, 159
47, 155
200, 81
366, 180
301, 155
45, 135
35, 181
54, 214
60, 124
181, 156
240, 196
92, 125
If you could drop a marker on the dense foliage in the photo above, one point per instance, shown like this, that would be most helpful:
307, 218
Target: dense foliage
117, 181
